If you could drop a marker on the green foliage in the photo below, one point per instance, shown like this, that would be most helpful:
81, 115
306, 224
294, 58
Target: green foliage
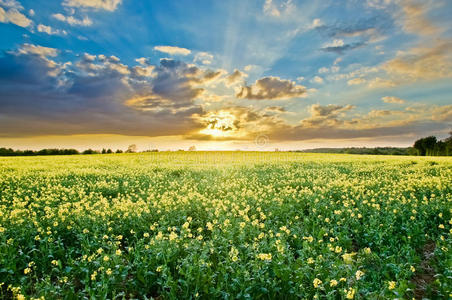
185, 225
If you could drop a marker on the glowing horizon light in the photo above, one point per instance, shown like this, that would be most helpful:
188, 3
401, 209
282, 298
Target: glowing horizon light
220, 124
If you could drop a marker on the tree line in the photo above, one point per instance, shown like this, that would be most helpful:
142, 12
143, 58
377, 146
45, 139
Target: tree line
427, 146
431, 146
12, 152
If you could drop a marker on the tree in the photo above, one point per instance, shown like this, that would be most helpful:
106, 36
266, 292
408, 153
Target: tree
109, 151
132, 148
425, 146
104, 151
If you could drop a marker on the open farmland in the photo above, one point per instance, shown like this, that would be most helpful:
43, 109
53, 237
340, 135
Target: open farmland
225, 225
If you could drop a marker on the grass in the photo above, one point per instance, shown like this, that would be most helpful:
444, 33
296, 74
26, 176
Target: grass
225, 225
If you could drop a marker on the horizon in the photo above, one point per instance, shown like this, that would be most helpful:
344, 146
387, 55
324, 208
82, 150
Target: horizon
223, 76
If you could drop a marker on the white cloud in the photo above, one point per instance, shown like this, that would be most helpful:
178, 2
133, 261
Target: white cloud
11, 4
278, 9
317, 79
356, 81
109, 5
37, 50
172, 50
14, 16
73, 21
203, 57
50, 30
335, 43
316, 23
31, 12
248, 68
391, 99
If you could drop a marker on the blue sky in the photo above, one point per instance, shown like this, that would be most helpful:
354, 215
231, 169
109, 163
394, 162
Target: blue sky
221, 74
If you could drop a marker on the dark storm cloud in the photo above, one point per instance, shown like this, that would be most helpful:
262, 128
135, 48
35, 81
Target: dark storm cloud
343, 48
40, 96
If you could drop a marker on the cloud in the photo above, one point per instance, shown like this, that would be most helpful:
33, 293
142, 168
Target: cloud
426, 63
340, 49
235, 123
174, 87
325, 122
392, 99
275, 109
109, 5
379, 82
442, 113
235, 78
86, 21
11, 4
329, 110
172, 50
415, 20
203, 57
38, 50
49, 30
97, 94
278, 8
272, 88
317, 79
316, 23
356, 81
379, 4
14, 16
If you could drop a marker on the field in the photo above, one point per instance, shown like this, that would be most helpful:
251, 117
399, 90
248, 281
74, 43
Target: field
225, 225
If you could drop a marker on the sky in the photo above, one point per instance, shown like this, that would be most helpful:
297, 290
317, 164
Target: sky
224, 75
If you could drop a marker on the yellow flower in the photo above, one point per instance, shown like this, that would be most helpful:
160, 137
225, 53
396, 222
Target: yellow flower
265, 256
172, 236
93, 276
391, 285
350, 293
317, 282
106, 258
441, 226
338, 249
359, 274
118, 252
108, 272
27, 270
367, 250
333, 282
310, 260
159, 269
348, 257
209, 226
55, 262
412, 269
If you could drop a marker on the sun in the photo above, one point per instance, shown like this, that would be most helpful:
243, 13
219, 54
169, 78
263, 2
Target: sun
221, 124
